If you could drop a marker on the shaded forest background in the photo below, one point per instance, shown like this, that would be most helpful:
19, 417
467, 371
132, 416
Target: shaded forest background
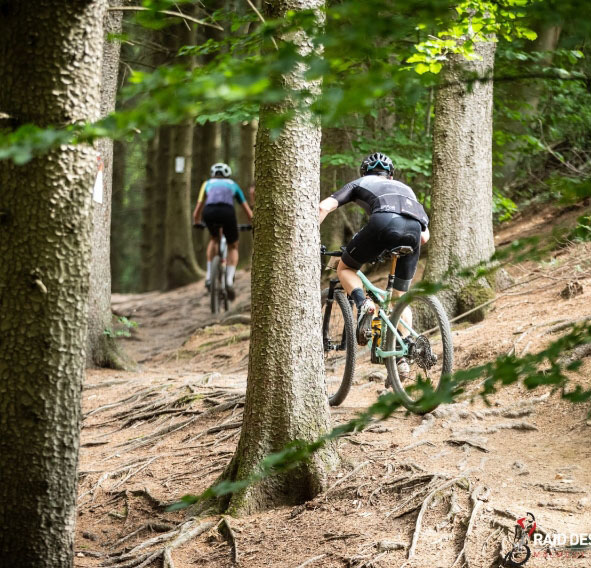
541, 142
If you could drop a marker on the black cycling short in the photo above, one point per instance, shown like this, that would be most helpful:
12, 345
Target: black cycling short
216, 215
384, 231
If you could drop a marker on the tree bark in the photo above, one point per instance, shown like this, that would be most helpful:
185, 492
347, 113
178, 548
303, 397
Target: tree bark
50, 62
149, 214
461, 199
102, 349
117, 213
248, 132
286, 398
158, 222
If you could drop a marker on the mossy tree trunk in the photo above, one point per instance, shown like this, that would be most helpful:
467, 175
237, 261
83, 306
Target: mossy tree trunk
285, 398
50, 64
461, 199
102, 349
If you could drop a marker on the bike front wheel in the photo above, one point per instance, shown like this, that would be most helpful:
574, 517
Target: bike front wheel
338, 338
430, 349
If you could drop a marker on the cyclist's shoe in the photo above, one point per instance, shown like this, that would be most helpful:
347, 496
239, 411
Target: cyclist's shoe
231, 292
208, 284
364, 321
403, 369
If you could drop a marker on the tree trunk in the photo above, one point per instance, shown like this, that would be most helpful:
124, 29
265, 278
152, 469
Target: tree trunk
50, 62
285, 398
163, 175
461, 199
149, 214
180, 264
246, 181
102, 350
524, 97
117, 214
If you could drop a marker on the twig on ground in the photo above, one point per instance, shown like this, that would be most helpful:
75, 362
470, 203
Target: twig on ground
412, 446
345, 477
311, 560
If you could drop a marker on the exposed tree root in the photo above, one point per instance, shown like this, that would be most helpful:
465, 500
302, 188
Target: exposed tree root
225, 528
137, 558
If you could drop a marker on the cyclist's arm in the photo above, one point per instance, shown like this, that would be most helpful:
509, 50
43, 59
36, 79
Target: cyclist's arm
200, 204
326, 206
425, 235
239, 196
247, 210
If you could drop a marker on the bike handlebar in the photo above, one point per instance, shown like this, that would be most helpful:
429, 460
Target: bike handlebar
325, 252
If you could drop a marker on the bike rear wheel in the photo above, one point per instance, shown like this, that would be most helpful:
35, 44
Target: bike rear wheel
215, 287
430, 354
338, 338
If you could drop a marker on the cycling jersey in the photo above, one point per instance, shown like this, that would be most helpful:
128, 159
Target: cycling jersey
220, 190
379, 194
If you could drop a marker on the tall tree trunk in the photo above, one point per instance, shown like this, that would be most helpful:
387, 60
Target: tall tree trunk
246, 181
461, 231
102, 350
51, 75
117, 212
524, 97
285, 397
149, 214
163, 175
180, 264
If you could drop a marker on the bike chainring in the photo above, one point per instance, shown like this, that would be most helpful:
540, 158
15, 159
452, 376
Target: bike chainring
422, 354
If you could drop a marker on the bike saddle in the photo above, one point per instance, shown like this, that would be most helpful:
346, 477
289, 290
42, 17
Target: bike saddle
401, 251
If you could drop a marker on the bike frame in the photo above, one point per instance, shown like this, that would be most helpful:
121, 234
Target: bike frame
384, 298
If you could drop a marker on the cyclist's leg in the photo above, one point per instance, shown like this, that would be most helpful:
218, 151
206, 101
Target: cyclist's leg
230, 226
365, 246
404, 231
211, 219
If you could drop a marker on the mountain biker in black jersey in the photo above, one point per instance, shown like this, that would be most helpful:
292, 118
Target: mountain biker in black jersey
216, 204
396, 218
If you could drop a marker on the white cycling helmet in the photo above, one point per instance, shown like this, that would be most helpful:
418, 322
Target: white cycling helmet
220, 169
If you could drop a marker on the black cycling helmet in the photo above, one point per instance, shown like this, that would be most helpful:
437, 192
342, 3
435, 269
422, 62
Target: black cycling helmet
220, 170
376, 164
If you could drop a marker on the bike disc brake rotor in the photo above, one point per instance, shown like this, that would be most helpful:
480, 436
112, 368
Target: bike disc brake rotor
422, 354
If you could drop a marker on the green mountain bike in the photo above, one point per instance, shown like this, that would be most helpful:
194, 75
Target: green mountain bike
411, 337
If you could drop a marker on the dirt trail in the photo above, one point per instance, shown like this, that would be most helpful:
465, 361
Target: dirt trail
170, 428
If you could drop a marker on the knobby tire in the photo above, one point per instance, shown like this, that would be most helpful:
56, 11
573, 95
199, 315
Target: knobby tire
215, 289
341, 306
436, 311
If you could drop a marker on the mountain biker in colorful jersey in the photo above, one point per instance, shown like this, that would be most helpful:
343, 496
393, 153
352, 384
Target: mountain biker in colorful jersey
216, 204
396, 218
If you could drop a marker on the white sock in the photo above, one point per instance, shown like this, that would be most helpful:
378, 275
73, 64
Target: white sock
230, 270
208, 272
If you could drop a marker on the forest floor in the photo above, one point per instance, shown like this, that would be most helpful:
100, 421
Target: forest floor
169, 428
